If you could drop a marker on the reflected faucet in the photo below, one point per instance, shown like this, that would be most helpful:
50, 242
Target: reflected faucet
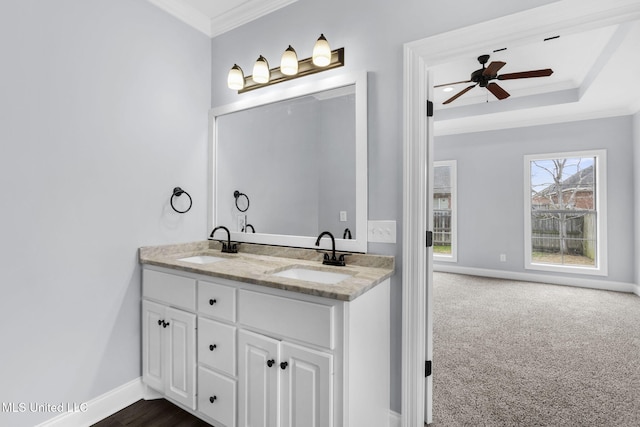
226, 247
331, 260
346, 234
245, 229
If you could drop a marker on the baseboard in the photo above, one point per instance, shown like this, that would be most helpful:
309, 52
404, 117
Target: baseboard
394, 419
541, 278
99, 408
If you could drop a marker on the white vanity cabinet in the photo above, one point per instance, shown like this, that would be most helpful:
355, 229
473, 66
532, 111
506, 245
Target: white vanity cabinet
268, 357
169, 338
278, 375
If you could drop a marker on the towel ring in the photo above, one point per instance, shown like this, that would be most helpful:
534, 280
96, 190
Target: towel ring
237, 195
177, 192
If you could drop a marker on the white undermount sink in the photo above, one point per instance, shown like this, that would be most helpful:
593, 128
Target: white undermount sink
202, 259
310, 275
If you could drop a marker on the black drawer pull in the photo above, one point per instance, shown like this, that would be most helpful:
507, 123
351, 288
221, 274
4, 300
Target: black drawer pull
270, 362
213, 347
212, 301
284, 365
213, 399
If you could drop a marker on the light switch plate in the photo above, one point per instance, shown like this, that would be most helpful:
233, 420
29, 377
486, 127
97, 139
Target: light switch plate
382, 231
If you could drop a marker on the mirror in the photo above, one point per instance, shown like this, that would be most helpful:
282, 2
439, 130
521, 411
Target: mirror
292, 164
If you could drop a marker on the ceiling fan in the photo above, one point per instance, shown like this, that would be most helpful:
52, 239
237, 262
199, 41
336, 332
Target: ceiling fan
483, 76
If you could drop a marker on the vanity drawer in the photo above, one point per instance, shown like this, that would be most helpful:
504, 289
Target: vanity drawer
305, 321
177, 291
217, 300
217, 345
217, 397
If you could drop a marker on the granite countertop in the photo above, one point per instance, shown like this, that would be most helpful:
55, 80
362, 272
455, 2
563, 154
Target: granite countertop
256, 263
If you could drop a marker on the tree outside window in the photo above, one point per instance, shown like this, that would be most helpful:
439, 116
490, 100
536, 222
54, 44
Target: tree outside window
563, 215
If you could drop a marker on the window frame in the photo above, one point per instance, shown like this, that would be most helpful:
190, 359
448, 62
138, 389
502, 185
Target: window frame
453, 257
600, 208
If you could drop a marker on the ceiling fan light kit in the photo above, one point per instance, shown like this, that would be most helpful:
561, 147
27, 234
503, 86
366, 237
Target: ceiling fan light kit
483, 77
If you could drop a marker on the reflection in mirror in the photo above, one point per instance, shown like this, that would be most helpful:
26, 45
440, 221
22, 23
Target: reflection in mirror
296, 166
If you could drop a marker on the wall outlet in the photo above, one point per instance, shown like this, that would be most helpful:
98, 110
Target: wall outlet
503, 257
343, 216
381, 231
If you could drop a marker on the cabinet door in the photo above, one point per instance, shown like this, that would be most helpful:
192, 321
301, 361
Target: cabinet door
181, 359
152, 368
258, 367
306, 387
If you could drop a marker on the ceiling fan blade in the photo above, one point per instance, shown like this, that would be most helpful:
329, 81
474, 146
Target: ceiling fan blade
493, 68
497, 91
459, 94
454, 83
526, 74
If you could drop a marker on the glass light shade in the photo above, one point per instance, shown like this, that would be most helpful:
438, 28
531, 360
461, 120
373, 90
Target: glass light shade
235, 79
261, 73
321, 52
289, 62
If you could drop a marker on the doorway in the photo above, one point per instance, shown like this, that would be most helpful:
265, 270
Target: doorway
419, 56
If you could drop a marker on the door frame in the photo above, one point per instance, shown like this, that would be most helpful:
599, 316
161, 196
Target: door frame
566, 16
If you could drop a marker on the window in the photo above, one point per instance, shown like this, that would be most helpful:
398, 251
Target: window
444, 211
565, 210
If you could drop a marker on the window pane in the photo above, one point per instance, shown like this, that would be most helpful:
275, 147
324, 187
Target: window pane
442, 205
563, 217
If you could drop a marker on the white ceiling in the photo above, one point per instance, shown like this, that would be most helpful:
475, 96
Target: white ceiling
595, 75
214, 17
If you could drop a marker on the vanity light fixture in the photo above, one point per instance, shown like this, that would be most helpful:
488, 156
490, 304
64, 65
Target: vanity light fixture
235, 79
261, 73
289, 62
323, 58
321, 52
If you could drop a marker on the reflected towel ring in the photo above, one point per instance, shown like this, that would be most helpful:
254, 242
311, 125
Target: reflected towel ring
237, 195
177, 192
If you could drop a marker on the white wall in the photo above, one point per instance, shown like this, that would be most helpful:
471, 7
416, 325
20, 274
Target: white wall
490, 190
373, 34
103, 106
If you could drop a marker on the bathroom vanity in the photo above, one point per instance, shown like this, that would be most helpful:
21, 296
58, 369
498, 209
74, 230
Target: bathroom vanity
268, 336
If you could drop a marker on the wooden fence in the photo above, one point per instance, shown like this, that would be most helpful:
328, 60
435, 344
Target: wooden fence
442, 227
569, 232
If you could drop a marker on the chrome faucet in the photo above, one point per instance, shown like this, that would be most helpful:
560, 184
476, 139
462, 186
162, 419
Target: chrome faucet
226, 247
333, 260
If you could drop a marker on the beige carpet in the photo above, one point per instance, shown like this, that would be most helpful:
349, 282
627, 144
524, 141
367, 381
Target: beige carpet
510, 353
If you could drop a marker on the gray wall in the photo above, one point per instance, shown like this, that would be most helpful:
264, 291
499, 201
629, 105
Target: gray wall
104, 110
636, 193
373, 34
491, 186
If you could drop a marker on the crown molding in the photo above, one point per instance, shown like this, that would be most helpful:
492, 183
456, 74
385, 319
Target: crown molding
214, 26
246, 12
186, 14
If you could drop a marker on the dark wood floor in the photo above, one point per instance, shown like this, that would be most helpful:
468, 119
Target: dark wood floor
152, 413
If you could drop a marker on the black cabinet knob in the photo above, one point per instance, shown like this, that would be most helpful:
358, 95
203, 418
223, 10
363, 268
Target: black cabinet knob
270, 362
213, 347
213, 399
159, 322
212, 301
284, 365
